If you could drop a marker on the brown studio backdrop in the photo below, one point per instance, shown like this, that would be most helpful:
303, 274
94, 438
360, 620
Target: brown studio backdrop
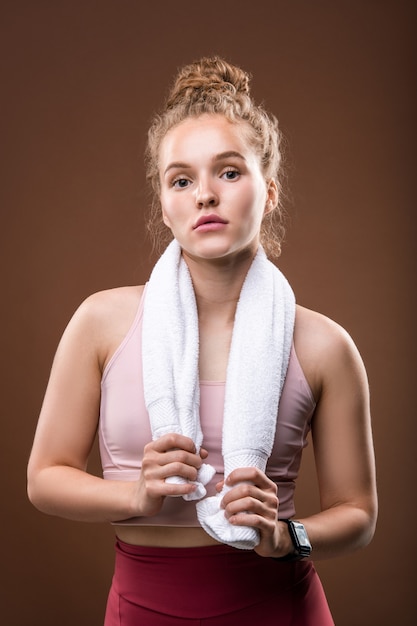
80, 81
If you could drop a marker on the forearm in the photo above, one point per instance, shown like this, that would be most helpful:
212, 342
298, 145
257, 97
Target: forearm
74, 494
340, 530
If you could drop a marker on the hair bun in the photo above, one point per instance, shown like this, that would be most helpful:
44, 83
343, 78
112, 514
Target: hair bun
209, 75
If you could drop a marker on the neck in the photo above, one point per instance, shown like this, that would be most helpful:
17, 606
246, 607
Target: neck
217, 284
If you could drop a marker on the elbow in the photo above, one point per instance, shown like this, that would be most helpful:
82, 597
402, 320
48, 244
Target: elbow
34, 490
368, 523
373, 517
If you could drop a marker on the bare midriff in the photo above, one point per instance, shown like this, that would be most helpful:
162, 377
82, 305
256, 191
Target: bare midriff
165, 536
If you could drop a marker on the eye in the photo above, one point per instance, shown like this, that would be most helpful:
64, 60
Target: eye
231, 174
180, 183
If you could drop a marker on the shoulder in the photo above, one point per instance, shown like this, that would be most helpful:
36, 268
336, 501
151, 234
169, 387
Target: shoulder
318, 329
116, 301
326, 351
103, 319
107, 308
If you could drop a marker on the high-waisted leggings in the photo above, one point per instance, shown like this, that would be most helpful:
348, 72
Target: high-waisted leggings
212, 586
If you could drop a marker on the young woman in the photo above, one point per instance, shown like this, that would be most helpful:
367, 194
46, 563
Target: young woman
215, 311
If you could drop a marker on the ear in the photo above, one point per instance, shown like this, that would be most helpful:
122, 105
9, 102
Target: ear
272, 196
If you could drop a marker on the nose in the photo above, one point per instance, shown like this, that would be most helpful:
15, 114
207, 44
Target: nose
206, 195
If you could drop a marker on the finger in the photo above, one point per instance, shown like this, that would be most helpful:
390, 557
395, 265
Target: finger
203, 453
219, 486
160, 465
251, 506
266, 527
246, 498
164, 451
161, 488
188, 472
180, 457
172, 441
251, 475
248, 490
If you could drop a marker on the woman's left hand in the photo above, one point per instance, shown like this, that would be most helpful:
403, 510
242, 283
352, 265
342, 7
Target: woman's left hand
252, 500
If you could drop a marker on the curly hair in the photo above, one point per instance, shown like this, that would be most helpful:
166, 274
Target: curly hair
214, 86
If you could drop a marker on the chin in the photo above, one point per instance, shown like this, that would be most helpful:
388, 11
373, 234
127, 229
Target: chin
220, 252
214, 247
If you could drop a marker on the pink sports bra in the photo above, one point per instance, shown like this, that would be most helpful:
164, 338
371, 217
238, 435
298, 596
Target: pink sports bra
124, 429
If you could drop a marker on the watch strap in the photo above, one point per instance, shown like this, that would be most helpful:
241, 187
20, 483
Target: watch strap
302, 549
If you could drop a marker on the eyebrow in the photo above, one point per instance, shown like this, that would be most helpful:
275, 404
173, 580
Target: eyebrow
228, 155
218, 157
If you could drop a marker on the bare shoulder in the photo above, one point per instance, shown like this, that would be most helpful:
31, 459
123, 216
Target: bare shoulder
325, 349
118, 301
317, 329
103, 320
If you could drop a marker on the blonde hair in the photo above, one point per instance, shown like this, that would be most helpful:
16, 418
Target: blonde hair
214, 86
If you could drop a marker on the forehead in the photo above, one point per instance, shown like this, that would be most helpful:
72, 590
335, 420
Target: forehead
199, 137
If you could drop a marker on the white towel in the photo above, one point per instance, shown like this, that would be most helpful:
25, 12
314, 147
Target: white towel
258, 361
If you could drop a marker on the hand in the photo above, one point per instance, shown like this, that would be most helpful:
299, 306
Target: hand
252, 501
170, 455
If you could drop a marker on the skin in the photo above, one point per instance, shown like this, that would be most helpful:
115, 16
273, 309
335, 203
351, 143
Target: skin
207, 167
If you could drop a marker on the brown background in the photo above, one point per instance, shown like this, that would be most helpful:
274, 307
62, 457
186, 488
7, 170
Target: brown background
79, 82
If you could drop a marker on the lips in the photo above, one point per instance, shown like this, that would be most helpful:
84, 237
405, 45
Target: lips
206, 220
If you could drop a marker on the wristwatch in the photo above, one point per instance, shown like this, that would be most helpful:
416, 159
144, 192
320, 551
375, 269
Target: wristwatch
300, 540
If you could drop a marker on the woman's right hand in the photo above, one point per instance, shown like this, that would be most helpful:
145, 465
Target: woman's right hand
170, 455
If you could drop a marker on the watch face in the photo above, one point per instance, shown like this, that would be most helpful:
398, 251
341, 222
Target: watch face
301, 535
302, 539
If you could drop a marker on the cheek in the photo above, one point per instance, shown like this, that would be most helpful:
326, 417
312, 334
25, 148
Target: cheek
254, 205
165, 219
164, 207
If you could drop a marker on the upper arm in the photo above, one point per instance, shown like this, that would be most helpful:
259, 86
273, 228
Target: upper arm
69, 415
341, 426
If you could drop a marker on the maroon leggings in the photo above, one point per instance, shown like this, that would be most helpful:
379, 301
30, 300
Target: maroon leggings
212, 586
